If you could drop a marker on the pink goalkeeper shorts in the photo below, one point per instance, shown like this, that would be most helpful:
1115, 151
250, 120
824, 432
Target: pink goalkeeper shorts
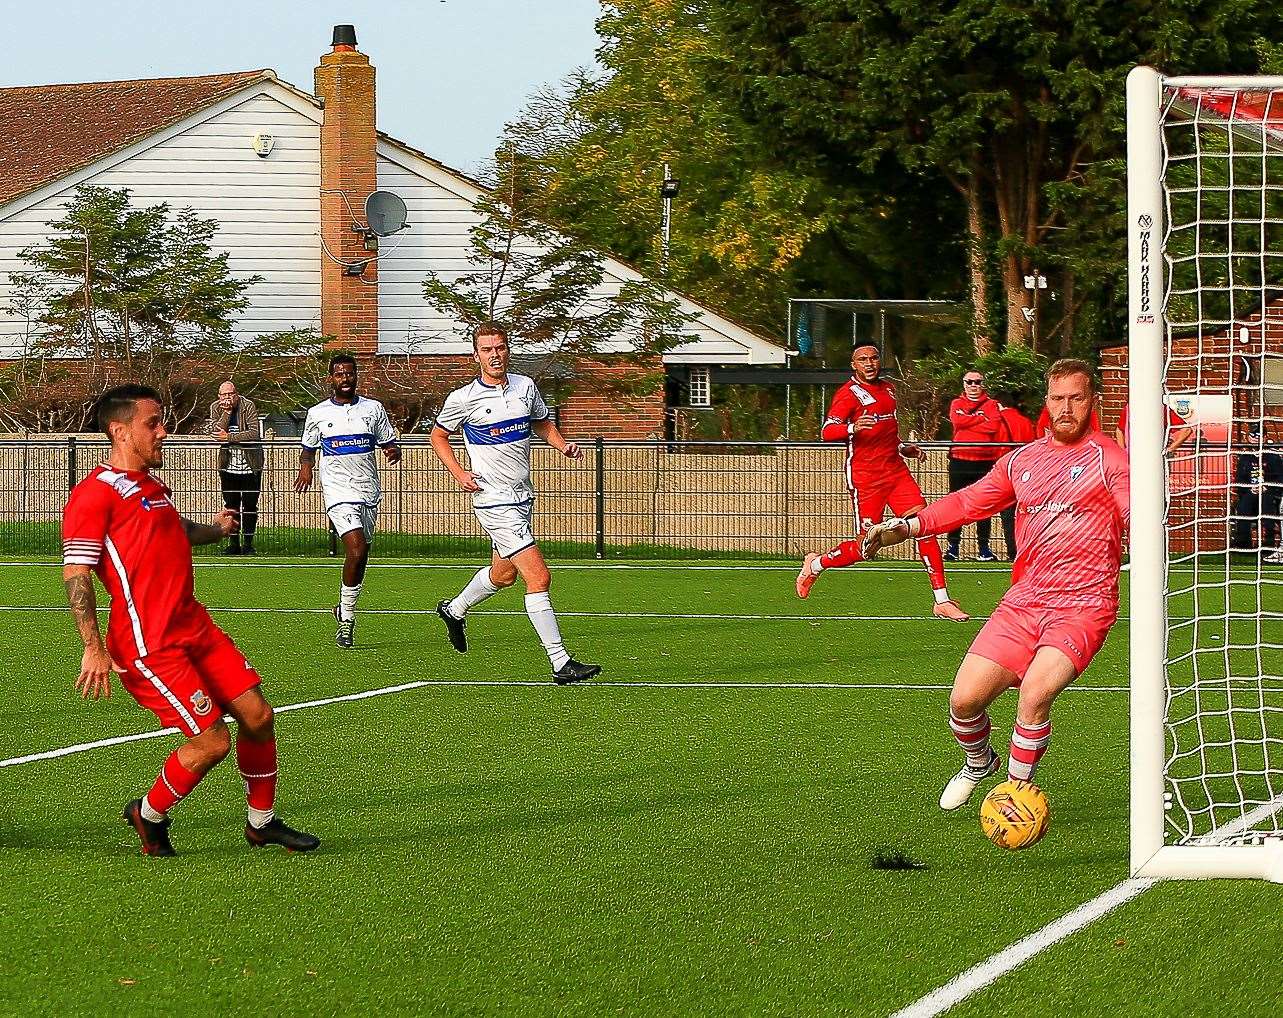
1014, 633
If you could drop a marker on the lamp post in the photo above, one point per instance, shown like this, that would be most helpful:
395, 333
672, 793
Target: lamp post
667, 192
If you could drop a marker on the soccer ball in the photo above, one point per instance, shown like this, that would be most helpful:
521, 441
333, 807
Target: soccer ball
1015, 815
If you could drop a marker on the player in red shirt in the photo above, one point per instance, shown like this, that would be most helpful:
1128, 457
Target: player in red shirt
863, 416
120, 524
1070, 490
1178, 432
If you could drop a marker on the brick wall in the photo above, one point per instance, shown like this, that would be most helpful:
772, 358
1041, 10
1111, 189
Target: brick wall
1211, 364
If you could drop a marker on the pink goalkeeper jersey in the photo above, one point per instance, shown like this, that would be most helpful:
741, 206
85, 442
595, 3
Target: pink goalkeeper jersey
1072, 505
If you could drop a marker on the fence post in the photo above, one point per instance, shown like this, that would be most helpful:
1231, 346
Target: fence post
71, 462
600, 497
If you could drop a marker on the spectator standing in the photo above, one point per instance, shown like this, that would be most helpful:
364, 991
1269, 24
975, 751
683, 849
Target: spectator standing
234, 422
975, 417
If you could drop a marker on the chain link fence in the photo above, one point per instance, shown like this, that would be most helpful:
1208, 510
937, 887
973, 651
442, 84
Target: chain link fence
651, 499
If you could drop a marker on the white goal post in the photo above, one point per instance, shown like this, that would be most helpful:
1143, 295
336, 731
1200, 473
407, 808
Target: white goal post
1205, 322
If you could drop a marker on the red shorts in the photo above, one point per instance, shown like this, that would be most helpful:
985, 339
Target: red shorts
870, 498
189, 686
1014, 633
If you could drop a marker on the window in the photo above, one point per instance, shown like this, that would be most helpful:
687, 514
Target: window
701, 390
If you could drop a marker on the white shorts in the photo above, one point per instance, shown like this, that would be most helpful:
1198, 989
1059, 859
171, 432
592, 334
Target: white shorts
349, 516
511, 527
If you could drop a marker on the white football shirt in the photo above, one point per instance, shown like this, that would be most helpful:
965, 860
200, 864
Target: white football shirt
496, 423
348, 435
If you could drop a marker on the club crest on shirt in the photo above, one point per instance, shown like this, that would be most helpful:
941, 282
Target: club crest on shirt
1025, 476
201, 703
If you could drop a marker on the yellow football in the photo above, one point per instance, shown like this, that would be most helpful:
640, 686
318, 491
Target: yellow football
1015, 815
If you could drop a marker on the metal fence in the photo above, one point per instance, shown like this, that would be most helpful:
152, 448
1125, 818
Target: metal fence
623, 499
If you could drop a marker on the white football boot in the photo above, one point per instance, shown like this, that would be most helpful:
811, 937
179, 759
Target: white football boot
961, 785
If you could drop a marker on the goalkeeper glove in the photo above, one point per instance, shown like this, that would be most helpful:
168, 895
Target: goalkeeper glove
883, 535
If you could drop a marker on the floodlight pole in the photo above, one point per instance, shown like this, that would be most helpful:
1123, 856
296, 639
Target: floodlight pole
667, 221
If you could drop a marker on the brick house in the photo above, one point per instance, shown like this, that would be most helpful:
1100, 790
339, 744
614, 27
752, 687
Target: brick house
277, 167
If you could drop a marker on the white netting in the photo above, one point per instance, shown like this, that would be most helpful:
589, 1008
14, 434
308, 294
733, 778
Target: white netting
1223, 250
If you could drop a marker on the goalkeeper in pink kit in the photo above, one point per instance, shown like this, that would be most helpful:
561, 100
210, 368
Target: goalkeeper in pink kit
1070, 490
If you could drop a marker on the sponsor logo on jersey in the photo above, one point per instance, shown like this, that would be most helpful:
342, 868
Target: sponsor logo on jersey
865, 397
499, 433
120, 483
1076, 472
1051, 507
347, 445
201, 703
154, 503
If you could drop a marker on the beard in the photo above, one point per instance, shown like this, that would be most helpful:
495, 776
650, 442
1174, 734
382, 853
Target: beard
1069, 431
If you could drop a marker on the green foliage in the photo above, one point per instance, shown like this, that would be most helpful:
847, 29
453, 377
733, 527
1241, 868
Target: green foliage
755, 223
129, 293
1014, 106
549, 287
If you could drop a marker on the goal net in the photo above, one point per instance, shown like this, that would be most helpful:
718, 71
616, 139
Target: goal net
1205, 240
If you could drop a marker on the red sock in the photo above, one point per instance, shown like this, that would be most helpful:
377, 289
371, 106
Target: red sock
929, 552
1028, 744
973, 736
257, 764
845, 554
174, 783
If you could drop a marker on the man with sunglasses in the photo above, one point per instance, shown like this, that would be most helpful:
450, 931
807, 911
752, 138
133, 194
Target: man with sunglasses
975, 417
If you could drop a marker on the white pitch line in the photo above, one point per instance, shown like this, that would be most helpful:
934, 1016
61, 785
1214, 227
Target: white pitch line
993, 968
82, 747
471, 566
706, 616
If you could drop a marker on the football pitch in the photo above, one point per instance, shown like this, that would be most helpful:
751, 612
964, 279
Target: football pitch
691, 834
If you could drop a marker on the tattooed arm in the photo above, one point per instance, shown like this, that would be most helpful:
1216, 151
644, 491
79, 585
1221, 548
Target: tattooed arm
95, 665
211, 533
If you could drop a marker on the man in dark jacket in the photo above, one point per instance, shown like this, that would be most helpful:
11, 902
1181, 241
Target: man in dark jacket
1258, 490
233, 420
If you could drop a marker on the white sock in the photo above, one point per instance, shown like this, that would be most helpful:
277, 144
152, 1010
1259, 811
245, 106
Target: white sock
260, 818
347, 601
151, 815
544, 619
942, 595
817, 564
478, 589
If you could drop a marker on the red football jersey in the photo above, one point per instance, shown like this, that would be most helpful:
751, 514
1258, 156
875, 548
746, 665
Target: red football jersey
125, 526
1072, 506
872, 454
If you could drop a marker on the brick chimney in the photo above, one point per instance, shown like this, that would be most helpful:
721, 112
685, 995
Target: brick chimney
344, 81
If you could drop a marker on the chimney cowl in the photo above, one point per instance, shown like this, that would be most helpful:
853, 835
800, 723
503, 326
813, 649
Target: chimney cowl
344, 35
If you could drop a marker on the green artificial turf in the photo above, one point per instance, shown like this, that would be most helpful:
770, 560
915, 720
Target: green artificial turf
679, 848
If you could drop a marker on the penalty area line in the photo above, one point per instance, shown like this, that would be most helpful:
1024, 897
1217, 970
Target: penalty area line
120, 740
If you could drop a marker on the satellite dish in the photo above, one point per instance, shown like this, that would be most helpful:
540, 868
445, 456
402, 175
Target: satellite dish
385, 212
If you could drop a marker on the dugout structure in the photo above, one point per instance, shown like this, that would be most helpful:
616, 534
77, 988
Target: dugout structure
1205, 259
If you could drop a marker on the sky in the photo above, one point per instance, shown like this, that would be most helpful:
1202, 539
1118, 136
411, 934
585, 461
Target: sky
450, 72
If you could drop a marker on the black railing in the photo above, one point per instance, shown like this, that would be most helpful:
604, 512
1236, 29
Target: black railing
622, 500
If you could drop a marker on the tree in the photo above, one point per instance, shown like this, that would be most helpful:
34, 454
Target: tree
1014, 106
551, 289
122, 293
757, 221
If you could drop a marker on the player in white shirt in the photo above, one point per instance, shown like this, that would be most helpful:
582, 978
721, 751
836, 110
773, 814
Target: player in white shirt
497, 413
346, 429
